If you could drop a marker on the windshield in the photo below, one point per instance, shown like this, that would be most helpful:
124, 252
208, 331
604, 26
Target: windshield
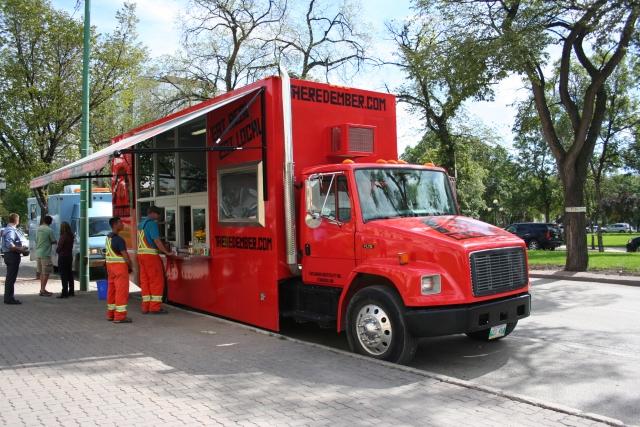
391, 193
99, 227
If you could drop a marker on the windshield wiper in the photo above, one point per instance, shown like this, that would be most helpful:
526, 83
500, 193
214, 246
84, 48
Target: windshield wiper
381, 217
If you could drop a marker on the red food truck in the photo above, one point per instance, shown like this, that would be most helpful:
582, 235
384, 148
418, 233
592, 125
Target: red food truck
285, 199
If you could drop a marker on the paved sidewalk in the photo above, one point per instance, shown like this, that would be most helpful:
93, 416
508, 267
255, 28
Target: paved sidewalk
61, 363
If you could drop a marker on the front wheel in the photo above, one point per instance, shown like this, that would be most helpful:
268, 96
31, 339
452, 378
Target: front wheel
483, 335
376, 327
533, 245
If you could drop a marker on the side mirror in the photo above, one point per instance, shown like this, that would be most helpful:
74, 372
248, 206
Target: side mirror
313, 218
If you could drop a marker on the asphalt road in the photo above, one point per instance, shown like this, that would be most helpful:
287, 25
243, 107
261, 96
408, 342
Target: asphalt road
579, 348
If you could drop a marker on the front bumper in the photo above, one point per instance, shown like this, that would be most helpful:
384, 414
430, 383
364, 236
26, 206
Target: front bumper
432, 322
96, 261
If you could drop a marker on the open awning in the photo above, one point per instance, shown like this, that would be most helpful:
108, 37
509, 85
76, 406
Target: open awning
84, 167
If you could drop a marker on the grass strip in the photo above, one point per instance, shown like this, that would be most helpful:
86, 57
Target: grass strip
598, 261
611, 239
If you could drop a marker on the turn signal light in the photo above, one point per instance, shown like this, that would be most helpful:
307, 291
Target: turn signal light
403, 258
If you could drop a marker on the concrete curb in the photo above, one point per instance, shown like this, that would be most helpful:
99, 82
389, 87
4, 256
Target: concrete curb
585, 277
431, 375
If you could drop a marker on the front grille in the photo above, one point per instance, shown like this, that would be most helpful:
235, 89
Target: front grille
498, 270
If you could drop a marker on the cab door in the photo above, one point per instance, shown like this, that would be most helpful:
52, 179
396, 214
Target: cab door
328, 231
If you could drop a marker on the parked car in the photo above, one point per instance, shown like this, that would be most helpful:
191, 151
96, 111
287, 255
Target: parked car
537, 235
633, 245
620, 227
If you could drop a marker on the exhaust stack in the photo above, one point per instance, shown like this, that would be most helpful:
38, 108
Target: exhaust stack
289, 199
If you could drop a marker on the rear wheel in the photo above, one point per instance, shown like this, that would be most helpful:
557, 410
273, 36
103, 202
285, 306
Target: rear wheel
533, 245
376, 327
483, 335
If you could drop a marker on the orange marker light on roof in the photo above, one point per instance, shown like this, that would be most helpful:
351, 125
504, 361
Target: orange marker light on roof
381, 161
429, 164
402, 162
347, 161
393, 162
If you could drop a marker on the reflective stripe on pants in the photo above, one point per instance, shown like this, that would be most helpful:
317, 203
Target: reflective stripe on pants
151, 281
117, 291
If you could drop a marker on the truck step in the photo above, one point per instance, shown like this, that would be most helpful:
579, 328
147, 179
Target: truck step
309, 316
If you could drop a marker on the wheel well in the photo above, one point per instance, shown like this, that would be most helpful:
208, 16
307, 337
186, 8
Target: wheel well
362, 281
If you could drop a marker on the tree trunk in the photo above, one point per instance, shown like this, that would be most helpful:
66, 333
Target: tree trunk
575, 222
42, 199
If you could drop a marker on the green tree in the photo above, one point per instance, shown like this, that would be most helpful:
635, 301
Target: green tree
523, 33
536, 167
40, 83
621, 200
443, 70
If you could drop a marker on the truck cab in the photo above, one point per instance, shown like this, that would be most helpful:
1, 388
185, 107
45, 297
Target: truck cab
386, 254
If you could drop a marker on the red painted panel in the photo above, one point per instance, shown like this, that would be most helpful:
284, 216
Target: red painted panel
240, 278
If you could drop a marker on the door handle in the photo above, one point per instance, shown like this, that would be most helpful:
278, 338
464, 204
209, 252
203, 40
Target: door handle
307, 249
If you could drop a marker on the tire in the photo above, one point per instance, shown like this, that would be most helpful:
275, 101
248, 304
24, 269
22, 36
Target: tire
483, 335
533, 245
376, 326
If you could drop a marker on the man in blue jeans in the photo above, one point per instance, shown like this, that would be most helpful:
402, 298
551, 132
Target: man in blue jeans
12, 251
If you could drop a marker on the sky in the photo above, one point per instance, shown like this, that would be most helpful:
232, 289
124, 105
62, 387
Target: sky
158, 31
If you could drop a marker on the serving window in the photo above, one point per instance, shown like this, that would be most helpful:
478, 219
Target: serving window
176, 182
240, 198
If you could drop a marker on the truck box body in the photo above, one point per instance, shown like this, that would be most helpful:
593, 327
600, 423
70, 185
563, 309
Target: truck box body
444, 273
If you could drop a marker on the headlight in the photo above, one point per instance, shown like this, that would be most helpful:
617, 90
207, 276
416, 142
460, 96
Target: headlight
430, 285
94, 251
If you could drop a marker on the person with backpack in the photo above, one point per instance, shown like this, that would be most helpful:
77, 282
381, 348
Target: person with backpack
12, 251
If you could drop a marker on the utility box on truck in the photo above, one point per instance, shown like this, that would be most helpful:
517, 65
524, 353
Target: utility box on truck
65, 207
286, 199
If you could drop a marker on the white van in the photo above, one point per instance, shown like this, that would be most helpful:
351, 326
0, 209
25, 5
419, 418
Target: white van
65, 206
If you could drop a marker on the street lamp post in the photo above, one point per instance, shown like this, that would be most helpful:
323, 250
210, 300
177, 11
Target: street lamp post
495, 209
85, 189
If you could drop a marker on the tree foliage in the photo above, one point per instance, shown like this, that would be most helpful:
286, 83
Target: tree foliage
227, 43
523, 33
443, 70
40, 83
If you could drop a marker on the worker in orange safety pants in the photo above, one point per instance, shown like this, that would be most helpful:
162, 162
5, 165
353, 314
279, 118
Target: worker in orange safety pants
118, 269
149, 262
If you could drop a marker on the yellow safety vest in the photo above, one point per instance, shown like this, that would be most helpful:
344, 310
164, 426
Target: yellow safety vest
143, 248
112, 257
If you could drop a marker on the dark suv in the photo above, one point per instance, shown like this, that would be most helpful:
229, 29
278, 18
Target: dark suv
537, 235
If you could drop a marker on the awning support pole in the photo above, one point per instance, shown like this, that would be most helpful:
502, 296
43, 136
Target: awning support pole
84, 151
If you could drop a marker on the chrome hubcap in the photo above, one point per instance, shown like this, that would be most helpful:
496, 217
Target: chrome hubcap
373, 328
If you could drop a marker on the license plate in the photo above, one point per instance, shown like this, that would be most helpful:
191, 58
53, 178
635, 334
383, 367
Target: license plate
497, 331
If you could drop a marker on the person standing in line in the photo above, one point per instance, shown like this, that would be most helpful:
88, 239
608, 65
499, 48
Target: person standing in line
118, 269
44, 241
12, 251
149, 262
65, 260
